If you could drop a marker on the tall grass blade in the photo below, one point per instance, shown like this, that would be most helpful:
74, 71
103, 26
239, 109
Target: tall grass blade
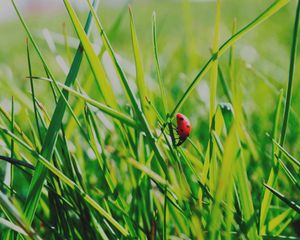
213, 96
214, 67
283, 198
267, 197
291, 76
157, 66
140, 78
275, 7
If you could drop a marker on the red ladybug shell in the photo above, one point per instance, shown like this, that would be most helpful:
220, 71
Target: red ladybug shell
183, 127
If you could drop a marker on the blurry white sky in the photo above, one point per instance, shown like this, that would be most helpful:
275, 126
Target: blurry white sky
30, 6
26, 6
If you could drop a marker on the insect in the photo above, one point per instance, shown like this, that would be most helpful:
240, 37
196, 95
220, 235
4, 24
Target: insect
183, 129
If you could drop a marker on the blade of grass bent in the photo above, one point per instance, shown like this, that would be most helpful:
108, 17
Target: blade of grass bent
102, 107
124, 119
275, 7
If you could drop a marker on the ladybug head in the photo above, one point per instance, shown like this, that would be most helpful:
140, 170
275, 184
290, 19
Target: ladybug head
180, 116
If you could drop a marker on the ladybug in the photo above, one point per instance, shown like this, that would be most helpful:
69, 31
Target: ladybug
183, 128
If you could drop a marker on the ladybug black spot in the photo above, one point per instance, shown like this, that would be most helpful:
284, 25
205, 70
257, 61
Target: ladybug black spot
181, 119
188, 126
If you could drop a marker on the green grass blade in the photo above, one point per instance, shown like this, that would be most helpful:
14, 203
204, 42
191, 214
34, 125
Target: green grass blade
213, 96
33, 92
17, 127
102, 107
158, 72
227, 114
94, 62
267, 197
214, 67
246, 199
16, 162
291, 76
283, 198
156, 177
288, 173
140, 78
12, 144
108, 47
275, 7
287, 154
277, 221
224, 85
224, 181
12, 226
285, 222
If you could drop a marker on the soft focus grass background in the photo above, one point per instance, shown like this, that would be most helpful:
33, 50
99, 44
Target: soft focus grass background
185, 33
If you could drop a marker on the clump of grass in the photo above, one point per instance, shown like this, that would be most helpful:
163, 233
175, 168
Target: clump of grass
100, 165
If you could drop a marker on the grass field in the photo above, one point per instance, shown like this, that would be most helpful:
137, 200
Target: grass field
88, 106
